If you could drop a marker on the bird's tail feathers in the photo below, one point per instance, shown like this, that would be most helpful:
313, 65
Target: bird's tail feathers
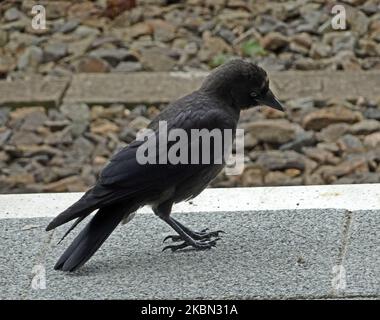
91, 237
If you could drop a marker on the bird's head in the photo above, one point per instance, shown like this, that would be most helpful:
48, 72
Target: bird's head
242, 82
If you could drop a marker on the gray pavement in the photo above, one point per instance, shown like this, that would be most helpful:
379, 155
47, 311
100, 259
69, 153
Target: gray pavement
264, 254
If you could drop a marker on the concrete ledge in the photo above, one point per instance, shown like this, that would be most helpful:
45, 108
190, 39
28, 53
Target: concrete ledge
284, 253
36, 91
163, 87
348, 197
158, 87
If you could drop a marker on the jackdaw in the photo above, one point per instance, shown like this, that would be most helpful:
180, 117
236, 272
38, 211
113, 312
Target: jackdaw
125, 185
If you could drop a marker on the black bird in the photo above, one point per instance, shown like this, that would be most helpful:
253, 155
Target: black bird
125, 185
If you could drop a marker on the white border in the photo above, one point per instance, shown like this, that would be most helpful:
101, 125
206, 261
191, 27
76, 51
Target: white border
350, 197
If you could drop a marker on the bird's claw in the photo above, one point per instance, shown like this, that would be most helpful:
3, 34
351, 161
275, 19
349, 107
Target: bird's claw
173, 238
197, 245
201, 235
215, 233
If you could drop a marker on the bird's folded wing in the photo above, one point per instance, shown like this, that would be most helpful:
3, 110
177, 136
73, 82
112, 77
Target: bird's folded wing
124, 171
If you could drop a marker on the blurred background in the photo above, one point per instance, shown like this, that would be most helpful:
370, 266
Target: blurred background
316, 141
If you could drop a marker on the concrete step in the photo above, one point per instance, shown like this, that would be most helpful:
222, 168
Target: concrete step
285, 252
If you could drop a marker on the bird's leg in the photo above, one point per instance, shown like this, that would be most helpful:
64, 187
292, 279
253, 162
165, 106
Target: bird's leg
198, 235
163, 211
187, 239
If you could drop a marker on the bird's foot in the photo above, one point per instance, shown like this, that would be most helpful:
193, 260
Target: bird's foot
196, 244
197, 235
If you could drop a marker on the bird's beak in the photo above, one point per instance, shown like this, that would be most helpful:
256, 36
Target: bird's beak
270, 100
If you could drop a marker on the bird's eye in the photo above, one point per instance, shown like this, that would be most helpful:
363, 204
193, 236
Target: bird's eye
254, 94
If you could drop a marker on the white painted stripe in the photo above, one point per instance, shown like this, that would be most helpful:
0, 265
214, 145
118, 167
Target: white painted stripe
350, 197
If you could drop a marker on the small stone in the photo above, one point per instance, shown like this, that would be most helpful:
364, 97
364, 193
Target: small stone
302, 139
303, 39
112, 56
252, 176
307, 64
140, 29
33, 120
163, 30
128, 66
321, 155
295, 47
128, 135
331, 173
340, 41
81, 10
365, 127
103, 126
357, 20
278, 178
277, 160
4, 136
80, 116
346, 60
12, 14
79, 48
350, 143
320, 119
372, 113
20, 113
319, 50
273, 131
370, 7
86, 31
212, 46
76, 112
59, 137
372, 140
55, 51
267, 23
227, 35
138, 110
301, 43
272, 63
329, 146
68, 26
82, 149
274, 41
30, 58
139, 123
333, 132
99, 160
93, 65
115, 111
368, 48
293, 172
25, 138
157, 59
191, 48
250, 141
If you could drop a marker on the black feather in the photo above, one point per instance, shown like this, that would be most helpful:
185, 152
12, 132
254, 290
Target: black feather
91, 237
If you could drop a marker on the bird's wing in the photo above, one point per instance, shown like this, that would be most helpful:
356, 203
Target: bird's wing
125, 172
